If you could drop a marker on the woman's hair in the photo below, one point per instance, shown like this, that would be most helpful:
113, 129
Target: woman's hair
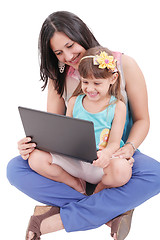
75, 29
88, 70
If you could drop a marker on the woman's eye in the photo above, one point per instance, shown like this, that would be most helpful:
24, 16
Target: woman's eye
58, 53
96, 83
70, 45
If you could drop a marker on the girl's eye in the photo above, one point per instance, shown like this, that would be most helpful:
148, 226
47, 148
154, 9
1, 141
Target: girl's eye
84, 82
97, 83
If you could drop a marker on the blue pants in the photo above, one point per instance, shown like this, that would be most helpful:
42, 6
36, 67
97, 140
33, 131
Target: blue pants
79, 212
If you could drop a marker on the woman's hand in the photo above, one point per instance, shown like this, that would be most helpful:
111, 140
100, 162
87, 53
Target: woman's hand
25, 148
127, 152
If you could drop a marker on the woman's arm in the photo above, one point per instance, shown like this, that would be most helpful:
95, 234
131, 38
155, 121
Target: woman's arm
70, 106
115, 136
138, 99
55, 103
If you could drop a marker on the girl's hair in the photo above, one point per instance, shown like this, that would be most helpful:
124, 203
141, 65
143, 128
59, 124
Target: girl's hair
88, 70
75, 29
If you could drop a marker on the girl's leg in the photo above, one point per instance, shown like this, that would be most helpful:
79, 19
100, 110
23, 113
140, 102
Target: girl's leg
117, 174
41, 189
41, 162
80, 212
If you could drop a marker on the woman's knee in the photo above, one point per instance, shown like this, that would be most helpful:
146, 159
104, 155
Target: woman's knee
147, 169
14, 166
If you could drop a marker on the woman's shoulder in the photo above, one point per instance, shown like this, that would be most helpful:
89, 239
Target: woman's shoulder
132, 71
124, 58
128, 61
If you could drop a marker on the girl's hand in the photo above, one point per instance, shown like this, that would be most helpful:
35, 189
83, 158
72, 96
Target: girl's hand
25, 148
127, 152
131, 161
103, 159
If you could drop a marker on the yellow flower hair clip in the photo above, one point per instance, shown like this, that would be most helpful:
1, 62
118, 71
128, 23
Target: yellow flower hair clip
105, 61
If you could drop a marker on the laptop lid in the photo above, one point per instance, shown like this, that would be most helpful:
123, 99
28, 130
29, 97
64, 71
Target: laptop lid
61, 134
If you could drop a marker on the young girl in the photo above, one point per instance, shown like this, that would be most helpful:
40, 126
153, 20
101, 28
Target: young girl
101, 102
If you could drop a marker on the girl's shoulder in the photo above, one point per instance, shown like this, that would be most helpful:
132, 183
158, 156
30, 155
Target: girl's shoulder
72, 100
120, 106
116, 102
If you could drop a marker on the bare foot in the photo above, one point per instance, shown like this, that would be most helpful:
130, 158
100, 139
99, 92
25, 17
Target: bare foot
30, 235
99, 187
115, 236
81, 186
109, 225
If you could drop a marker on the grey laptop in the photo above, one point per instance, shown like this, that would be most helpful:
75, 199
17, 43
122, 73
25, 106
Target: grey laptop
57, 133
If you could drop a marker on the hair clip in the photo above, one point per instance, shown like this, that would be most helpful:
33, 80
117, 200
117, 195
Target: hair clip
103, 61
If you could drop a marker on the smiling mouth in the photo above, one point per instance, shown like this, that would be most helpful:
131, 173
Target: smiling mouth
94, 94
75, 60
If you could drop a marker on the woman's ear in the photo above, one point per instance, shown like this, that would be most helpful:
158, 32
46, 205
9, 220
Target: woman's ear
114, 78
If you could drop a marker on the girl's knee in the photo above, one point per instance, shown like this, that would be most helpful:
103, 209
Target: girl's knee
32, 160
38, 158
120, 172
41, 162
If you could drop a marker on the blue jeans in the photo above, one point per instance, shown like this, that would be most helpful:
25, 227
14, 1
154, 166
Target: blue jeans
80, 212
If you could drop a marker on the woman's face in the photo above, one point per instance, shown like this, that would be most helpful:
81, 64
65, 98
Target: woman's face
66, 50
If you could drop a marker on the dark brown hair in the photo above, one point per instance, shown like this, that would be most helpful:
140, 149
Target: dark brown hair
75, 29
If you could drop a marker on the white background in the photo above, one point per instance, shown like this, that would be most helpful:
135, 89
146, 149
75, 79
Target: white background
131, 27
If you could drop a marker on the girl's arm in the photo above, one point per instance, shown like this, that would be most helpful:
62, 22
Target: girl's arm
138, 99
115, 136
117, 128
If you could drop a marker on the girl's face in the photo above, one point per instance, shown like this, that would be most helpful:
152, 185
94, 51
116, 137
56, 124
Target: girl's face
97, 89
66, 50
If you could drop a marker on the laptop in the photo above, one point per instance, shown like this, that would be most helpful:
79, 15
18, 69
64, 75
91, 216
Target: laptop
60, 134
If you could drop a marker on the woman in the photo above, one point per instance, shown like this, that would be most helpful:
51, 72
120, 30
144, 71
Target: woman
64, 38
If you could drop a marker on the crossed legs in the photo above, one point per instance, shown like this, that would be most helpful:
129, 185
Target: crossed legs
102, 207
41, 162
116, 174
